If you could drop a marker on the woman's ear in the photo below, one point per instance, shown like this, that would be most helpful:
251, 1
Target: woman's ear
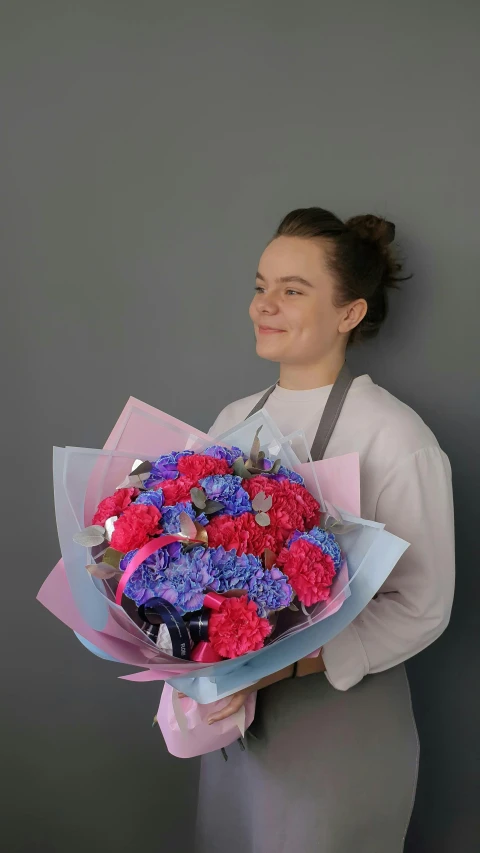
352, 315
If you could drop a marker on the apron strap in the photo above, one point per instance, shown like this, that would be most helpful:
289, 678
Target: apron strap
331, 412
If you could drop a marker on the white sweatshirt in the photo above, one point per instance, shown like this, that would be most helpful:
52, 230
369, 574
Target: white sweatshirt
405, 483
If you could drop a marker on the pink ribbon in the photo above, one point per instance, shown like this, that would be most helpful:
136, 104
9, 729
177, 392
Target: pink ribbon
141, 555
204, 653
213, 600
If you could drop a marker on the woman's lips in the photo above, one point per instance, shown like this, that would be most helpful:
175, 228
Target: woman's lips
266, 330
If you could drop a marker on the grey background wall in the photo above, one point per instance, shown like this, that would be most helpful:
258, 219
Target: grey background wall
147, 151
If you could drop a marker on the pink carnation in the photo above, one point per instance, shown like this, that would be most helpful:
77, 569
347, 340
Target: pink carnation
241, 533
261, 484
293, 508
237, 628
309, 571
176, 491
114, 505
135, 527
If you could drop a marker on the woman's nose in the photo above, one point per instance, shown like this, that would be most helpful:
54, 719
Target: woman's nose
267, 304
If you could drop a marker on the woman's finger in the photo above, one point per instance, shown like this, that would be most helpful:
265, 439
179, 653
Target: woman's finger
236, 702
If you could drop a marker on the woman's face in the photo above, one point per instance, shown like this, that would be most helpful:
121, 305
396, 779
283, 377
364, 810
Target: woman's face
292, 311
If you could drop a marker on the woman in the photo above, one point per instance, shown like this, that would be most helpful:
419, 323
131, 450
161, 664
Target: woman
331, 759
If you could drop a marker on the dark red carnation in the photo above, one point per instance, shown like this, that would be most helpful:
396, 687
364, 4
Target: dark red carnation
114, 505
237, 628
135, 527
309, 570
196, 467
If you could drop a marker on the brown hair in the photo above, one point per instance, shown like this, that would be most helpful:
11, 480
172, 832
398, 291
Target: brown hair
360, 256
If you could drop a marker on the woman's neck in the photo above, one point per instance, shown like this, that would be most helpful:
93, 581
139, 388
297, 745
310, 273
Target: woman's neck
303, 377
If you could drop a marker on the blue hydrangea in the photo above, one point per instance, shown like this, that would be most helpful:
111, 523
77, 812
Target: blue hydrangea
155, 499
322, 539
270, 590
227, 453
227, 489
148, 573
231, 571
166, 467
184, 581
170, 520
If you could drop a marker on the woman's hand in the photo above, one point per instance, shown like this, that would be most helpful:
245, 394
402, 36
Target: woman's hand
306, 666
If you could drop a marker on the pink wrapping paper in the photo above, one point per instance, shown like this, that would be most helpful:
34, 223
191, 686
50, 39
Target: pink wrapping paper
186, 731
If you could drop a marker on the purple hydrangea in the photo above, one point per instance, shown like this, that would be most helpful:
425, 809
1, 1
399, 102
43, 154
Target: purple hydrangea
151, 499
285, 474
270, 590
184, 581
147, 574
227, 453
166, 467
227, 489
170, 520
324, 540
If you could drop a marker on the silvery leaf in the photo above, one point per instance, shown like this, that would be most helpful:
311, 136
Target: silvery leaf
199, 498
255, 447
213, 506
187, 526
102, 571
276, 465
293, 607
262, 519
109, 527
240, 469
261, 503
90, 537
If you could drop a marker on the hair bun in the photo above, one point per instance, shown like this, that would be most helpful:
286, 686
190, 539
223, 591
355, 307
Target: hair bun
373, 228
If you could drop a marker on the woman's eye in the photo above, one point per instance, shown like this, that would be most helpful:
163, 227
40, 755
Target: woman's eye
259, 289
293, 293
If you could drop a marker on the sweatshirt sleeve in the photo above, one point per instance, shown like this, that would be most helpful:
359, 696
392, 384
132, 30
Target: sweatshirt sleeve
413, 606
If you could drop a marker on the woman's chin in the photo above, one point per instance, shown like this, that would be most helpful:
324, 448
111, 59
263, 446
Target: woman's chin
269, 350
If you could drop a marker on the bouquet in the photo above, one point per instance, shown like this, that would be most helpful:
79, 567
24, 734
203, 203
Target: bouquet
211, 565
198, 542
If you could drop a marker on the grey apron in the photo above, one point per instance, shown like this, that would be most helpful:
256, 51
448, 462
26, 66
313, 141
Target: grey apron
324, 771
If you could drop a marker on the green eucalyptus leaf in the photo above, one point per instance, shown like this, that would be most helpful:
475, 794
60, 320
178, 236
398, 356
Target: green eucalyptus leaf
91, 536
255, 447
241, 470
213, 506
199, 498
